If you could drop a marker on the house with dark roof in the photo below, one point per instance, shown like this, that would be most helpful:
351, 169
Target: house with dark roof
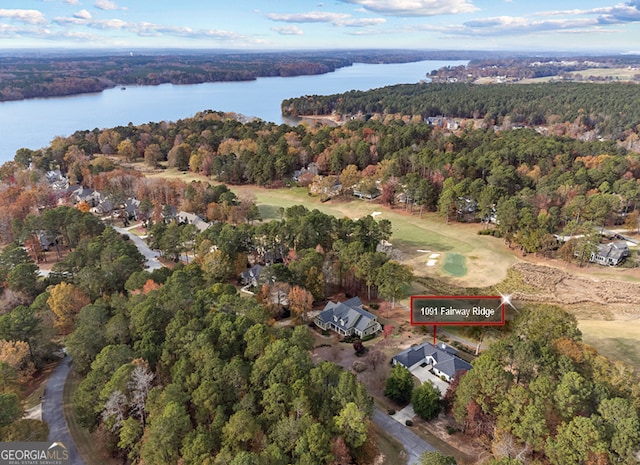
348, 318
103, 207
252, 275
611, 254
131, 206
443, 359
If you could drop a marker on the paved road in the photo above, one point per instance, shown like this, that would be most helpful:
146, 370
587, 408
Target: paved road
151, 256
413, 444
52, 412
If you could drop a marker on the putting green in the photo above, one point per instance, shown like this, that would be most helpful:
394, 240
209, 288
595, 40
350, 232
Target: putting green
454, 265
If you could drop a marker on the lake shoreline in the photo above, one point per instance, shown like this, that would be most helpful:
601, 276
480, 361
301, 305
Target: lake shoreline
34, 123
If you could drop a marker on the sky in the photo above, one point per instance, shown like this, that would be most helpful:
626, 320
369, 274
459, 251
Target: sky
514, 25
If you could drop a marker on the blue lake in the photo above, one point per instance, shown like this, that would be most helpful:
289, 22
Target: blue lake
34, 123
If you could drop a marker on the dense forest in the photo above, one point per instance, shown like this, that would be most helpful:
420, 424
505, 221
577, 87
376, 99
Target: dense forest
529, 186
540, 395
179, 366
531, 67
31, 76
609, 111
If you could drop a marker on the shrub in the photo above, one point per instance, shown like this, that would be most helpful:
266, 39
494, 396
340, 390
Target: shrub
392, 411
408, 423
426, 401
399, 385
452, 430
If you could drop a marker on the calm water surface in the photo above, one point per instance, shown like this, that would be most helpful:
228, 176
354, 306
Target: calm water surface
34, 123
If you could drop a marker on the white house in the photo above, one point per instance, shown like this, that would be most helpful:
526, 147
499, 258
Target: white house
348, 318
442, 358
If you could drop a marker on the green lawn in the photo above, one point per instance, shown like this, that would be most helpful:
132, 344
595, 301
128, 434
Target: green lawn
617, 339
485, 258
454, 265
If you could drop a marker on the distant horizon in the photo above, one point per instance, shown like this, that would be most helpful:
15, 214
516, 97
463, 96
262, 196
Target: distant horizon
213, 51
585, 26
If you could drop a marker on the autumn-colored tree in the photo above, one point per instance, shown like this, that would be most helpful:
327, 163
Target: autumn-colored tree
66, 300
388, 196
300, 301
376, 357
340, 452
385, 309
631, 222
149, 286
349, 177
16, 354
127, 150
153, 155
108, 141
83, 206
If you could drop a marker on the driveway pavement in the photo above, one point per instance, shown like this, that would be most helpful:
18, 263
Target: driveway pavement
151, 256
413, 444
424, 375
52, 413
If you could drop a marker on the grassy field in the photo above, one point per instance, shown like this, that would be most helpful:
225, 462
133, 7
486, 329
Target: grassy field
454, 265
486, 258
618, 74
613, 74
617, 339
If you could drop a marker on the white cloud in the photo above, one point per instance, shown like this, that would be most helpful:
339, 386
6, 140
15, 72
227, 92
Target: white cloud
82, 14
72, 2
288, 30
311, 17
416, 7
25, 16
107, 5
628, 12
509, 25
146, 29
12, 32
565, 21
363, 22
337, 19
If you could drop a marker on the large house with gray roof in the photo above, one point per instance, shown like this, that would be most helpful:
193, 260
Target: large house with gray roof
611, 254
442, 358
348, 318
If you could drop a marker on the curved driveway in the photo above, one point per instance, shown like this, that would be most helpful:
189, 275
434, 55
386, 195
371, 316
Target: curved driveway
151, 256
413, 444
52, 410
